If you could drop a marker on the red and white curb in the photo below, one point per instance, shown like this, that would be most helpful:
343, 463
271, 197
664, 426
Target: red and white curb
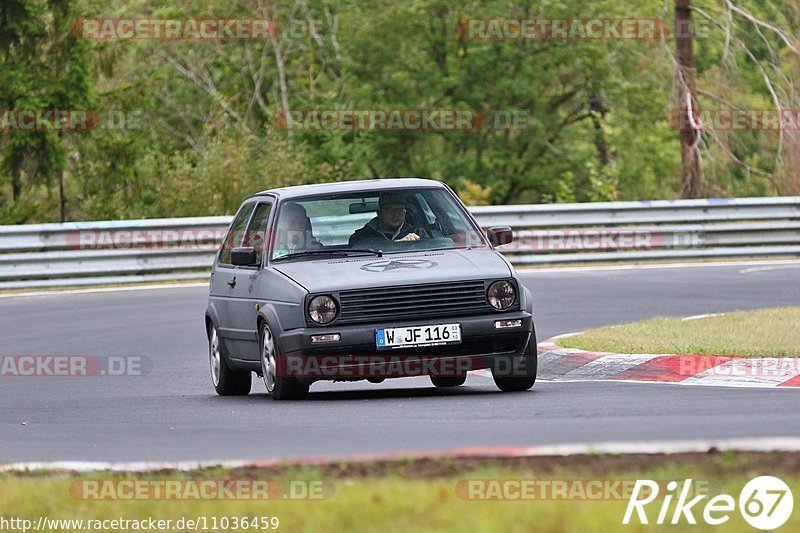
769, 444
569, 364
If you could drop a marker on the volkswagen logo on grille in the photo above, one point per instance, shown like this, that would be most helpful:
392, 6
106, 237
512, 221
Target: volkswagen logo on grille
386, 266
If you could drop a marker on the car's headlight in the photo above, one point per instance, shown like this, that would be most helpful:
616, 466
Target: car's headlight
501, 295
322, 309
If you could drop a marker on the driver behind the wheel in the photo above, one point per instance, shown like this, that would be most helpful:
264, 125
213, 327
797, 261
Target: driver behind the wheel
389, 225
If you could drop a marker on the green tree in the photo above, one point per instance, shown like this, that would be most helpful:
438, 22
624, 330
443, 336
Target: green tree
48, 70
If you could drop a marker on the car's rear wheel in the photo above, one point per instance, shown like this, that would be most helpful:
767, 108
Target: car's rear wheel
279, 387
440, 382
522, 372
227, 381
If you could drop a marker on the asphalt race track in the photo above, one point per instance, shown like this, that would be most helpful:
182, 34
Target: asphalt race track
173, 414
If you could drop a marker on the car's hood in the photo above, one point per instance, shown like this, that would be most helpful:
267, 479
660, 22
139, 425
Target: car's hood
322, 275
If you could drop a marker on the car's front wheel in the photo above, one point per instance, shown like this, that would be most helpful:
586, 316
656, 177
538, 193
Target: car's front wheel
279, 386
227, 381
520, 374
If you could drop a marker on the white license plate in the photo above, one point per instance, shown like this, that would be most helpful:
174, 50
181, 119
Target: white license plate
419, 336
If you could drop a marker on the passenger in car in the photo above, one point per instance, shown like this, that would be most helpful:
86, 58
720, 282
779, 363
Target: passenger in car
295, 233
389, 225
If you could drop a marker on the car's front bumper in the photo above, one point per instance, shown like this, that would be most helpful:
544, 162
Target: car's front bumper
355, 355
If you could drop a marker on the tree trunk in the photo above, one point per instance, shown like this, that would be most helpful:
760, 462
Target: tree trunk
62, 199
16, 184
687, 96
599, 110
280, 61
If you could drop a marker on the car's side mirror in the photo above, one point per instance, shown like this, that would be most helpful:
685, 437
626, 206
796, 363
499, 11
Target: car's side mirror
245, 256
500, 235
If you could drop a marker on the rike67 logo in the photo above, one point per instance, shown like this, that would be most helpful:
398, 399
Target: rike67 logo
765, 503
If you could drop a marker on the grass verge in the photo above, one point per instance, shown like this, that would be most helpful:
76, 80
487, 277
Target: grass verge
414, 495
760, 333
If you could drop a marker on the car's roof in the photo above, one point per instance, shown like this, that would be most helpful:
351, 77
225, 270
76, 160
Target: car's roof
298, 191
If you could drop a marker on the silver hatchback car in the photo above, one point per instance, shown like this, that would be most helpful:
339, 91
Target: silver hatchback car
365, 280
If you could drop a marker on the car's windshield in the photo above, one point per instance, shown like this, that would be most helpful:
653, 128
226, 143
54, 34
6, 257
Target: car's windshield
392, 221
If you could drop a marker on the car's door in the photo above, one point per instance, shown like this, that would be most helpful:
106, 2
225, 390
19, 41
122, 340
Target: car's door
224, 281
245, 290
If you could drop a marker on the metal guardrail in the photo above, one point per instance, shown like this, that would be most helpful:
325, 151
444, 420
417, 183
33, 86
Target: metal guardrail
88, 253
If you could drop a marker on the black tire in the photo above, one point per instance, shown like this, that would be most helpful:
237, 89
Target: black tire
514, 384
227, 381
279, 387
441, 382
526, 366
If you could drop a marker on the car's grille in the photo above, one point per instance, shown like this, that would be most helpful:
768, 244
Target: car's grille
411, 301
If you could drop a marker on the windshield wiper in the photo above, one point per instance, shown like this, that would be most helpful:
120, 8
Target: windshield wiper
306, 253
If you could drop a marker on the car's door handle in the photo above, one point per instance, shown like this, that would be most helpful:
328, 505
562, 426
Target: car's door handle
232, 283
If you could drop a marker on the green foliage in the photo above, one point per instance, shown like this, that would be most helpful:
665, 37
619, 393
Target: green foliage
232, 167
473, 194
48, 70
595, 127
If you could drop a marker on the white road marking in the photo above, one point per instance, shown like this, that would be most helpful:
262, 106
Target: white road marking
749, 372
760, 444
566, 335
650, 383
610, 365
545, 270
105, 289
96, 466
768, 444
766, 268
698, 317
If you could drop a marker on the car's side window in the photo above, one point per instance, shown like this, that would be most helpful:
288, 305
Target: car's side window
257, 230
235, 234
